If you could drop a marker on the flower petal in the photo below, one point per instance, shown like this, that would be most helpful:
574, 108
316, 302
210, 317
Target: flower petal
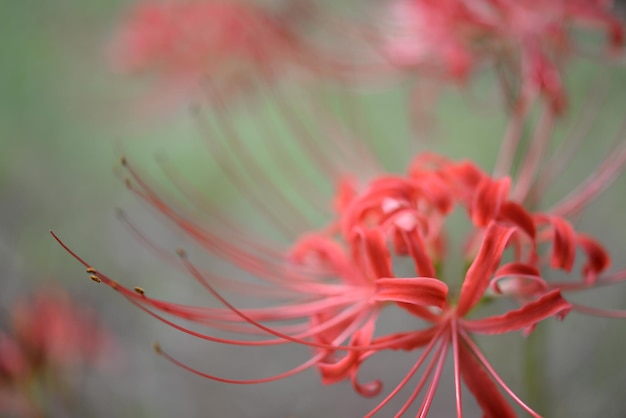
527, 316
485, 264
424, 291
369, 250
515, 285
488, 198
516, 214
598, 259
563, 241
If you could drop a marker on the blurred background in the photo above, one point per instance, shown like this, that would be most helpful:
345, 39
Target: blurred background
65, 120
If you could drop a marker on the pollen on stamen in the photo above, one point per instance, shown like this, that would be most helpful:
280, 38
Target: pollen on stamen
123, 161
95, 278
91, 270
181, 253
139, 290
157, 347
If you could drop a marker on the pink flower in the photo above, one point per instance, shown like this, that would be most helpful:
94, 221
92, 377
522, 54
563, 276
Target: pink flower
199, 49
49, 336
324, 286
69, 336
528, 41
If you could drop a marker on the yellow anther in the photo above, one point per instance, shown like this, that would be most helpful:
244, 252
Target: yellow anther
95, 278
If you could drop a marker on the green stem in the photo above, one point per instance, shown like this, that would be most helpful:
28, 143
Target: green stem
535, 370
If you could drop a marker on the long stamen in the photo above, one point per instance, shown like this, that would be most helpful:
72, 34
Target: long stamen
575, 137
457, 371
512, 137
410, 373
441, 351
244, 180
596, 182
606, 313
531, 161
476, 351
430, 395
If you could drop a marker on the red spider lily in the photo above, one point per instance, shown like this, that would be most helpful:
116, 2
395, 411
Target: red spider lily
487, 200
325, 289
536, 171
68, 336
527, 40
216, 48
331, 312
48, 337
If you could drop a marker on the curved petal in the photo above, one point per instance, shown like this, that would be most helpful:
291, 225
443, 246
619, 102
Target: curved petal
369, 249
515, 272
598, 259
484, 266
488, 198
516, 214
419, 253
563, 242
423, 291
564, 251
527, 316
347, 366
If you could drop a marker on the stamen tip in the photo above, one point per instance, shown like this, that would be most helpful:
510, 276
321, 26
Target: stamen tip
157, 347
95, 278
140, 290
181, 253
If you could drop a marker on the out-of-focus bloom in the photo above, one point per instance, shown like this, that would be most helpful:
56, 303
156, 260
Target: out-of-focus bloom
68, 336
324, 287
216, 49
528, 42
48, 338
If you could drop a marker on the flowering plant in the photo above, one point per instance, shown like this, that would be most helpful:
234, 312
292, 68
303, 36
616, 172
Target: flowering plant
384, 244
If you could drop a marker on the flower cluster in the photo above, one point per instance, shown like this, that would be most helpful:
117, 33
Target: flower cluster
48, 337
527, 40
217, 49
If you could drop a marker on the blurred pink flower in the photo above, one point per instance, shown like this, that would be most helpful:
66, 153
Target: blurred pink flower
69, 335
528, 41
215, 50
48, 338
